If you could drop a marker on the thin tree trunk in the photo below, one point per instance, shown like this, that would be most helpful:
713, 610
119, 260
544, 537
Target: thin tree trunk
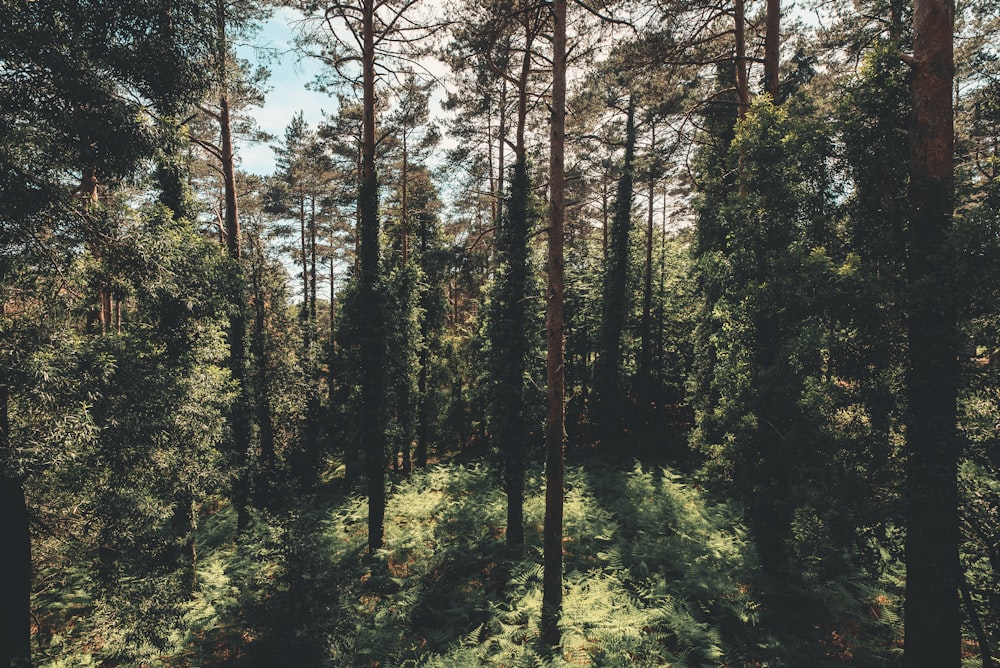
304, 314
15, 556
501, 149
742, 84
264, 419
372, 354
515, 431
933, 620
405, 393
405, 213
240, 419
646, 325
555, 421
495, 193
772, 41
604, 222
333, 336
183, 524
977, 625
312, 264
423, 425
615, 301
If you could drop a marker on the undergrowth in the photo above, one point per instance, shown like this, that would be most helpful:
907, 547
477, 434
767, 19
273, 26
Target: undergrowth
656, 575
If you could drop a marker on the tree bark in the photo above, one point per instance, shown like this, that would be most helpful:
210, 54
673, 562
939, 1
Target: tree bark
404, 204
555, 427
15, 556
240, 412
240, 419
304, 313
646, 324
933, 620
772, 42
501, 145
742, 84
312, 264
372, 353
982, 639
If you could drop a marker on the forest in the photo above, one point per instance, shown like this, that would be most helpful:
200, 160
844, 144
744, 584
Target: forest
601, 333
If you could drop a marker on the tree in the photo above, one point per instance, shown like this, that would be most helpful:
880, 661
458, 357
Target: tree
555, 421
232, 89
615, 303
301, 193
509, 330
933, 622
72, 118
374, 29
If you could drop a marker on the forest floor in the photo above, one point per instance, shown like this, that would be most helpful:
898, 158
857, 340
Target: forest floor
655, 574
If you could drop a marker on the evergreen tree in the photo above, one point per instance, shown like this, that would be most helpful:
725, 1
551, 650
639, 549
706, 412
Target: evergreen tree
609, 389
933, 622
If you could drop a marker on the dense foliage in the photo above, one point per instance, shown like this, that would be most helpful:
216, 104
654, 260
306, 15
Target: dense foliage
298, 418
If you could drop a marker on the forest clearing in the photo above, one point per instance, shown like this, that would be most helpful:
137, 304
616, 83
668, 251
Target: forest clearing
602, 333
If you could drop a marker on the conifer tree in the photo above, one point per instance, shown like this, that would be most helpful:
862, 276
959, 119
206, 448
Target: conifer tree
609, 389
933, 621
555, 421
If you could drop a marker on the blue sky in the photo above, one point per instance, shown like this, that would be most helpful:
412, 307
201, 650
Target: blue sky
287, 93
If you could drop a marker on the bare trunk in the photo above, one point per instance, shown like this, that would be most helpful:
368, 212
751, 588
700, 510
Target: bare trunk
372, 367
605, 201
742, 85
495, 193
933, 620
15, 555
772, 41
404, 203
501, 150
304, 314
646, 325
976, 622
240, 411
312, 264
555, 421
263, 402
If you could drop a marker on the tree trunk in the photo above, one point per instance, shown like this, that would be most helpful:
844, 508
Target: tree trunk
982, 639
240, 417
372, 353
312, 264
772, 42
404, 204
183, 525
501, 146
933, 620
742, 85
513, 433
605, 209
262, 399
424, 418
615, 302
304, 313
555, 427
15, 557
646, 325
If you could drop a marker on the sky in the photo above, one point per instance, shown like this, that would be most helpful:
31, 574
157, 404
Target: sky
287, 94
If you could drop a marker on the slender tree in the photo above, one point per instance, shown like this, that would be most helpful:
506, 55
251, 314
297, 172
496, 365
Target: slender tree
555, 421
772, 44
15, 556
615, 302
